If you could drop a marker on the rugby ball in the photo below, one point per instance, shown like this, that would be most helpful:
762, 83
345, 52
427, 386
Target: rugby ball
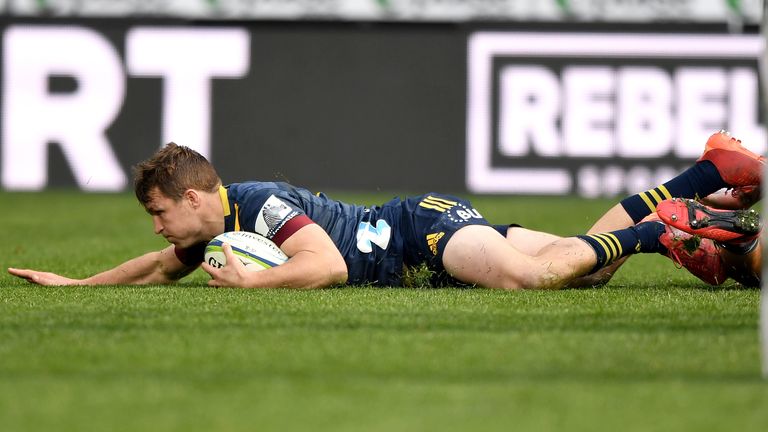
254, 251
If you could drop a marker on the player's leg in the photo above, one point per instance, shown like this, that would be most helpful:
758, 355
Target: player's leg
528, 241
725, 163
531, 242
477, 254
734, 199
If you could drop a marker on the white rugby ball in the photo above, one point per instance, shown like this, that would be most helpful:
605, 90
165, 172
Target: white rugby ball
254, 251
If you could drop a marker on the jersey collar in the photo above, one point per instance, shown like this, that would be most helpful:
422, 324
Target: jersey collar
224, 201
231, 216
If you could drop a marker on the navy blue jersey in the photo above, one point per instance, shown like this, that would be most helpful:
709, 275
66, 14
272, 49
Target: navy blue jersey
375, 241
367, 237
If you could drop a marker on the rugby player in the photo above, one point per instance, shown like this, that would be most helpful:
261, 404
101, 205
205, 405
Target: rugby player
329, 242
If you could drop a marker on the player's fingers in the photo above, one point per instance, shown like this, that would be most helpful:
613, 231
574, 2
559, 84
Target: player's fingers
17, 272
28, 275
211, 270
228, 254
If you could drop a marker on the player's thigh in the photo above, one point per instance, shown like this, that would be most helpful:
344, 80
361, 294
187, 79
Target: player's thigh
477, 254
528, 241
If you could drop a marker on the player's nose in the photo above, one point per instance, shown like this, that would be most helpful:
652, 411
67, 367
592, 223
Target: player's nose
157, 225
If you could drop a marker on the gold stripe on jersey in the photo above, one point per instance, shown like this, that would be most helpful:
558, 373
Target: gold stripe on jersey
432, 207
441, 200
224, 200
237, 218
438, 204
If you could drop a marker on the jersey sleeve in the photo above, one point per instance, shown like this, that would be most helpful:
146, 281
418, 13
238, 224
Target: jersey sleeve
192, 256
278, 216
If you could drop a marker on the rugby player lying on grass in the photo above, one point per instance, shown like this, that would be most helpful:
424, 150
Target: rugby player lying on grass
329, 242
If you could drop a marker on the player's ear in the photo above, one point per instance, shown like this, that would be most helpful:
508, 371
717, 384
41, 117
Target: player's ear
193, 197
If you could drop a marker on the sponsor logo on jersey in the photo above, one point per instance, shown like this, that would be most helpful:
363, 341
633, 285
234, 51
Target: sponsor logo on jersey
432, 241
272, 216
461, 213
368, 235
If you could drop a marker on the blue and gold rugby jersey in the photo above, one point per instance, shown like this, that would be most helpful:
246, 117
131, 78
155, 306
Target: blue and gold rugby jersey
368, 237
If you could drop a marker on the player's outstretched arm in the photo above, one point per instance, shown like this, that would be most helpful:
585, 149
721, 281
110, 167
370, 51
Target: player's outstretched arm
43, 278
160, 267
314, 262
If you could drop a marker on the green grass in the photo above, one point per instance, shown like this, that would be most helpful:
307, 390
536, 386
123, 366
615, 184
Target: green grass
654, 351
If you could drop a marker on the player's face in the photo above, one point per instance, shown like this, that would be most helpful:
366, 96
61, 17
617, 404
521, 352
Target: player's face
175, 220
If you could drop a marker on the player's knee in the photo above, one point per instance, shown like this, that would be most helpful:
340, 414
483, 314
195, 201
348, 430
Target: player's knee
531, 278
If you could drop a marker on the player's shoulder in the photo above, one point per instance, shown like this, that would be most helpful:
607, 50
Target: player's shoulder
260, 187
256, 195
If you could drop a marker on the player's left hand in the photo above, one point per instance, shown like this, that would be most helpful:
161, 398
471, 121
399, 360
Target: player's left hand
43, 278
232, 274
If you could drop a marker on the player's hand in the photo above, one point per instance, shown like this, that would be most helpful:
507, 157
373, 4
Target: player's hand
232, 274
43, 278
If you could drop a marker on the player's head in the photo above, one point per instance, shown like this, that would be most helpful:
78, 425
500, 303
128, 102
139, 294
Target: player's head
173, 170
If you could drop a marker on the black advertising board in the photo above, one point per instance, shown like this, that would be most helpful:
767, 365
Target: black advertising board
365, 106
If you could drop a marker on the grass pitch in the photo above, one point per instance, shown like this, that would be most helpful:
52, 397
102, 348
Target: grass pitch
655, 350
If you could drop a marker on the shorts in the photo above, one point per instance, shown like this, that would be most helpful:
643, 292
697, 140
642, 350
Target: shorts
430, 220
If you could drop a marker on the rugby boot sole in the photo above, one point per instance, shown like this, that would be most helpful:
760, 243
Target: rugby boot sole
695, 218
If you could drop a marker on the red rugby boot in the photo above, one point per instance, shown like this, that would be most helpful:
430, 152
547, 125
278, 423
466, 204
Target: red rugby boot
694, 217
737, 165
697, 255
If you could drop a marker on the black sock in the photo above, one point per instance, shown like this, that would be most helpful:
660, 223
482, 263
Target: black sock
697, 181
610, 246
